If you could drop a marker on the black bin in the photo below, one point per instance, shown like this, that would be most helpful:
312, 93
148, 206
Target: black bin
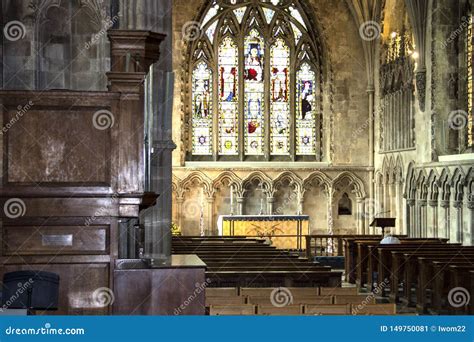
34, 290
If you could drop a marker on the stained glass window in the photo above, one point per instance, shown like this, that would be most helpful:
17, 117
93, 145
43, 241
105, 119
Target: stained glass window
255, 92
305, 111
228, 98
254, 101
280, 99
202, 110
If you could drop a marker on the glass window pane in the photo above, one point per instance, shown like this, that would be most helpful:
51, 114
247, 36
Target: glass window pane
280, 99
254, 94
228, 98
202, 110
306, 111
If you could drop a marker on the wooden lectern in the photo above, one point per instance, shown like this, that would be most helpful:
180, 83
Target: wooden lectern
383, 222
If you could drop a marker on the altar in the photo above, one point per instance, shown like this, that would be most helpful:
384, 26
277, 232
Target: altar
284, 231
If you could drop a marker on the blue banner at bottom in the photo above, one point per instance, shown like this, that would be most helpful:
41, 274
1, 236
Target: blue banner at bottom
238, 329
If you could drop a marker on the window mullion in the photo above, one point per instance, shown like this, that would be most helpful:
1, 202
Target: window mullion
241, 120
267, 92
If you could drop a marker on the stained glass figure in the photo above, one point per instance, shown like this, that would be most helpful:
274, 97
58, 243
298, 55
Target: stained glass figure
228, 97
254, 94
202, 110
306, 111
280, 104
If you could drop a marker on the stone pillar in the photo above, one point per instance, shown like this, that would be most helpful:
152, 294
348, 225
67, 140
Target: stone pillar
211, 225
240, 205
179, 210
361, 216
423, 229
433, 232
411, 223
458, 233
399, 200
444, 219
270, 205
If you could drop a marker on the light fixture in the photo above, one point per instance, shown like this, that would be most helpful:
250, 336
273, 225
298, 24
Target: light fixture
415, 55
393, 34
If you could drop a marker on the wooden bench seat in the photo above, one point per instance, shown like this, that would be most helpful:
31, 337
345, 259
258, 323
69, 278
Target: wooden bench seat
374, 309
359, 299
270, 310
233, 310
333, 309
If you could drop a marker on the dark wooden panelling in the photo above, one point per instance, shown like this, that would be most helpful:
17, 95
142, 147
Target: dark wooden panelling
48, 148
55, 240
76, 286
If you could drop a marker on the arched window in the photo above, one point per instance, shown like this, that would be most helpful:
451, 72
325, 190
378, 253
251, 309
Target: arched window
255, 84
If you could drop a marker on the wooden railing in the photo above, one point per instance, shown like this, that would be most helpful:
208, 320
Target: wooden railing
329, 245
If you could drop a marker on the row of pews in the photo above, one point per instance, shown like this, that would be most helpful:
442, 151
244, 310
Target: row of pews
293, 301
249, 262
430, 274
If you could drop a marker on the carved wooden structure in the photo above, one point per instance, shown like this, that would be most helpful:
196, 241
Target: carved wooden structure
72, 168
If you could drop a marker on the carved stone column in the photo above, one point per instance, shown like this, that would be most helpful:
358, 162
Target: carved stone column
434, 218
270, 205
411, 217
361, 216
444, 219
399, 200
240, 205
458, 222
179, 210
211, 225
423, 229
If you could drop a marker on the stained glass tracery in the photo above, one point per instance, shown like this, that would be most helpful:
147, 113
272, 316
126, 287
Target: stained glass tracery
280, 100
244, 95
305, 111
202, 110
254, 101
228, 100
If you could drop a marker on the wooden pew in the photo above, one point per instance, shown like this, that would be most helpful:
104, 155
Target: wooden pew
270, 310
335, 291
359, 299
374, 309
267, 292
297, 300
333, 309
226, 301
222, 292
402, 259
436, 270
234, 310
363, 256
274, 278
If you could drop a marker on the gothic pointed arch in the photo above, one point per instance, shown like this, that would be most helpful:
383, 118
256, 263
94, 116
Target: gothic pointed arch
351, 182
257, 94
